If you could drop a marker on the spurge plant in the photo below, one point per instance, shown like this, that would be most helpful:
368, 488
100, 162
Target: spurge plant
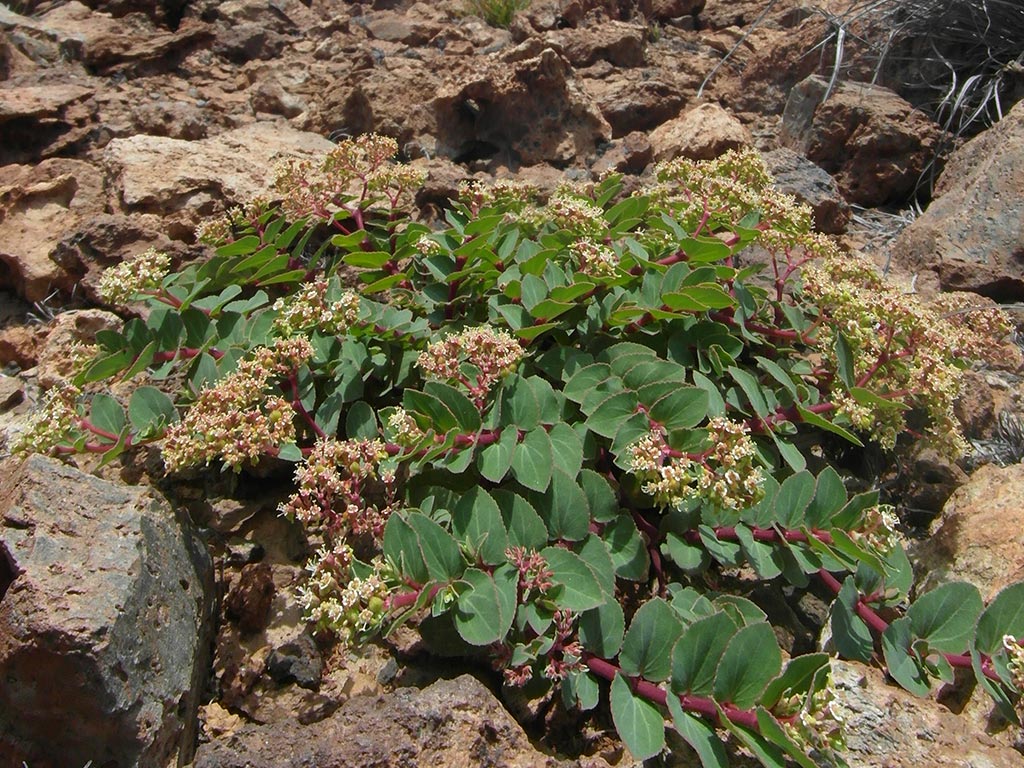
568, 437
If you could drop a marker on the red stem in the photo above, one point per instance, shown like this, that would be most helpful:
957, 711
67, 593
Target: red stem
699, 704
185, 353
728, 533
879, 625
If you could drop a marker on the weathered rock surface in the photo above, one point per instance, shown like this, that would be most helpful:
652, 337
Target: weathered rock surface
630, 105
182, 180
103, 42
528, 109
972, 234
618, 43
886, 727
42, 120
454, 723
873, 141
702, 133
809, 184
105, 619
979, 537
38, 205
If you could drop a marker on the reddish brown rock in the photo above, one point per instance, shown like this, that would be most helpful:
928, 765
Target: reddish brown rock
616, 42
12, 392
871, 140
20, 345
453, 723
104, 240
42, 120
972, 234
630, 154
103, 42
701, 133
980, 535
250, 597
631, 105
37, 206
663, 10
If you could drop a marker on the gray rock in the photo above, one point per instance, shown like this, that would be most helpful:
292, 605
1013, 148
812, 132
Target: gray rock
105, 622
972, 234
809, 184
872, 140
297, 661
454, 723
886, 727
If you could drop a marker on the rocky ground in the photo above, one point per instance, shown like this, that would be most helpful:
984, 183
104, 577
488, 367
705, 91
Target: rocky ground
134, 627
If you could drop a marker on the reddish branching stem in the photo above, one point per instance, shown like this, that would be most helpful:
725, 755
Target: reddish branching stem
770, 535
698, 704
878, 625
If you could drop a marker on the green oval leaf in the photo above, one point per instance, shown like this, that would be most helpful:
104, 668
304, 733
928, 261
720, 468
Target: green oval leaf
640, 724
751, 660
647, 647
946, 616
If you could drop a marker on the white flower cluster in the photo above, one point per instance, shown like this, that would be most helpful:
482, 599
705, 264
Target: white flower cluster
53, 424
898, 345
332, 485
428, 246
817, 726
233, 222
1015, 664
594, 259
723, 190
236, 419
510, 194
724, 475
309, 309
145, 271
333, 599
349, 172
576, 214
404, 428
878, 528
493, 353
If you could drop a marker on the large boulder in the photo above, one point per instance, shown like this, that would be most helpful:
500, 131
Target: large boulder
103, 42
454, 723
701, 133
183, 180
979, 537
972, 234
630, 104
886, 727
105, 622
871, 139
616, 42
523, 107
808, 183
38, 204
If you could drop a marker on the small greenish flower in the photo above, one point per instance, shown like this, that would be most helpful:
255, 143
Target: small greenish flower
310, 309
53, 424
143, 272
238, 419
